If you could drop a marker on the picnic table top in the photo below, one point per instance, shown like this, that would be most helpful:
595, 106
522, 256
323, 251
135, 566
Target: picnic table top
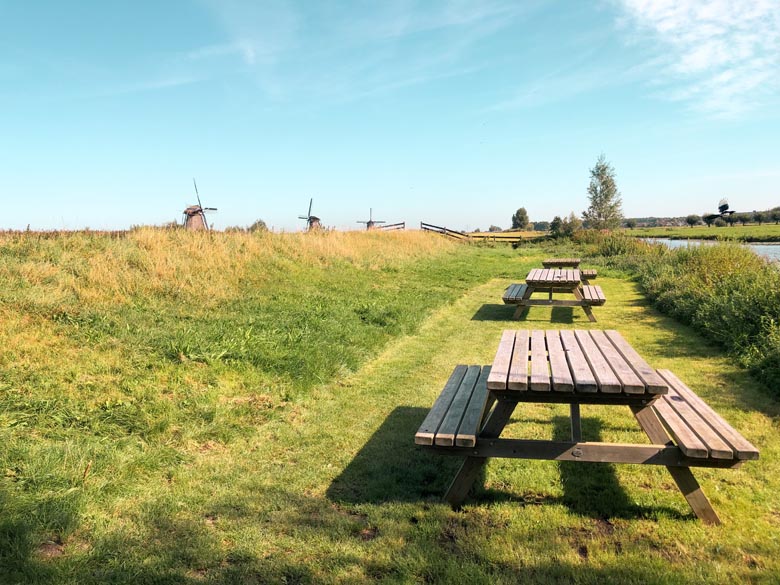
556, 276
573, 361
561, 262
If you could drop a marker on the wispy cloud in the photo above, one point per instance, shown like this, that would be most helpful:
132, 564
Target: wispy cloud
336, 53
720, 56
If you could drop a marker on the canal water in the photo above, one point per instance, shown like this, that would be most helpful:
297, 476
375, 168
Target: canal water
771, 251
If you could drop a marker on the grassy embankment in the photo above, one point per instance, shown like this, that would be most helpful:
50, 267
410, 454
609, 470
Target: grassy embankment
179, 409
749, 233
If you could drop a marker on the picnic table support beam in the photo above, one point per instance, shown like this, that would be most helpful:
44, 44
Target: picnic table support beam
682, 476
496, 421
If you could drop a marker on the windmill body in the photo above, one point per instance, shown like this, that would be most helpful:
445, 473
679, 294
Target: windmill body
195, 215
371, 223
312, 221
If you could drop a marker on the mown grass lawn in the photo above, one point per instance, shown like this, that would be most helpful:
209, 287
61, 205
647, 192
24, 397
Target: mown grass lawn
135, 458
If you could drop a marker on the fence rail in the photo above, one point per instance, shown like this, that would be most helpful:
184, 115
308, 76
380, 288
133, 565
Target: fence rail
393, 226
428, 227
506, 237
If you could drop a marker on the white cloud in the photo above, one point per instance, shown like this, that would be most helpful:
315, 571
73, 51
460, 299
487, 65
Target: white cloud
720, 56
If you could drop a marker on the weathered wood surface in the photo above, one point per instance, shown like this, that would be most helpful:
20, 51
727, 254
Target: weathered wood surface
576, 361
587, 274
456, 416
593, 295
514, 293
561, 262
696, 428
553, 276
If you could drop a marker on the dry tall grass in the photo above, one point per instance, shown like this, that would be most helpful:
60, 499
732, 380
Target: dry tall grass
208, 267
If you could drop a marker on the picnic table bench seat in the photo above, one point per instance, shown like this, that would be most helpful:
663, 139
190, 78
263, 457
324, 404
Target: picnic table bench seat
587, 274
514, 293
699, 431
593, 295
456, 416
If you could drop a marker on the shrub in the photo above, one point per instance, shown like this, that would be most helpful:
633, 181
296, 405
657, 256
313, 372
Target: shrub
726, 291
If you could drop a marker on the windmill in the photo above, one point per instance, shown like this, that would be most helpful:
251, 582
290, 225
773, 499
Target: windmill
312, 221
723, 210
195, 215
371, 223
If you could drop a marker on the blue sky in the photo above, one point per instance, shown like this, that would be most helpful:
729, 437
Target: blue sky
450, 112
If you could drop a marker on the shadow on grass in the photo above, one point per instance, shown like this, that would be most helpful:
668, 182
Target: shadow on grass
494, 312
390, 467
563, 315
592, 489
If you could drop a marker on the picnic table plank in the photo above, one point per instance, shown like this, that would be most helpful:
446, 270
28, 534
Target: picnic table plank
687, 441
717, 447
654, 383
540, 373
445, 436
631, 383
584, 380
430, 425
500, 371
559, 367
743, 449
518, 370
599, 363
475, 411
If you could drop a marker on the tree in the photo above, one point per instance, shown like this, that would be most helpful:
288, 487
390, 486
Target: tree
258, 226
555, 226
571, 224
565, 228
706, 218
605, 210
494, 228
541, 226
693, 220
631, 223
775, 214
720, 222
520, 219
759, 216
742, 218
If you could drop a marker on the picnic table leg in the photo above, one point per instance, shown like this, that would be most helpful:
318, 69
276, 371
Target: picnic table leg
576, 423
521, 309
460, 486
586, 308
682, 476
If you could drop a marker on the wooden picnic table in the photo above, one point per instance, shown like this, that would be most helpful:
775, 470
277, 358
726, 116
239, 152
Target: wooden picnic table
550, 281
561, 262
579, 367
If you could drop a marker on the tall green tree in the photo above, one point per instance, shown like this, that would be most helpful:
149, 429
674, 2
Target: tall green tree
605, 210
520, 219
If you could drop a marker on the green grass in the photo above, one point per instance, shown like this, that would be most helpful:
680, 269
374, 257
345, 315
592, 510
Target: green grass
145, 443
767, 232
